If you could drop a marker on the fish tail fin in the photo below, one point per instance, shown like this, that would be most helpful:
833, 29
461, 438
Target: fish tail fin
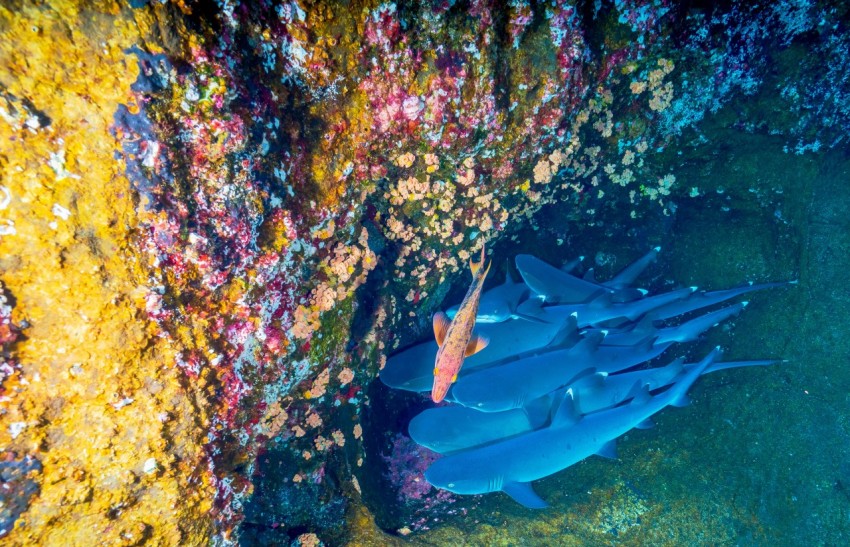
475, 266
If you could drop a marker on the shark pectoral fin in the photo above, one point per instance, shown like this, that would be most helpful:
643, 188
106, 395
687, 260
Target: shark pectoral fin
608, 450
589, 275
646, 424
476, 344
529, 318
524, 494
441, 325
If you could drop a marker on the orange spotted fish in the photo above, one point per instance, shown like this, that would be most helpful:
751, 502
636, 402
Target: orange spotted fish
454, 338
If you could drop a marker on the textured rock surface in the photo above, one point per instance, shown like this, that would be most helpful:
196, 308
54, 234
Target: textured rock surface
216, 220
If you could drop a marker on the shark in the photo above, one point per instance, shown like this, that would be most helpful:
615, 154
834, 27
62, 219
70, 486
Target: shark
454, 337
687, 331
630, 273
601, 308
703, 299
601, 390
559, 286
512, 464
500, 303
513, 384
411, 369
453, 428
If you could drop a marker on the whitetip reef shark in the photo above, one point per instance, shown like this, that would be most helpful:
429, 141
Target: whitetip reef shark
448, 429
500, 303
511, 464
513, 384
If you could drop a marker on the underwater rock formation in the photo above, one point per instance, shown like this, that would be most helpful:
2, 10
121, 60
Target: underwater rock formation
218, 219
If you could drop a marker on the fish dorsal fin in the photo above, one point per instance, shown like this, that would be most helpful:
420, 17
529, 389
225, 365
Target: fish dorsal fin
589, 275
441, 326
566, 415
639, 394
524, 494
608, 450
476, 344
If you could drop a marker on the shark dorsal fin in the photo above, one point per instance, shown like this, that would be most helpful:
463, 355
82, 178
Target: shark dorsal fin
677, 366
509, 279
591, 340
602, 301
568, 267
566, 415
524, 494
596, 380
476, 344
567, 335
441, 326
639, 394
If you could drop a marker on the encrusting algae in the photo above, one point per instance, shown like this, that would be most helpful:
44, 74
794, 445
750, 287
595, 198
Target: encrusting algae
116, 428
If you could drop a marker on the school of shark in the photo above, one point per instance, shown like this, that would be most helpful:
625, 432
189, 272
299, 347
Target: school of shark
542, 373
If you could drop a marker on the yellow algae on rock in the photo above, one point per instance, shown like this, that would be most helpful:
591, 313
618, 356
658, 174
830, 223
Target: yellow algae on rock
100, 399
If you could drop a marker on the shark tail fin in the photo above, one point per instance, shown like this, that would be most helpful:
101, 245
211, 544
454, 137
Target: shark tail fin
714, 367
524, 494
